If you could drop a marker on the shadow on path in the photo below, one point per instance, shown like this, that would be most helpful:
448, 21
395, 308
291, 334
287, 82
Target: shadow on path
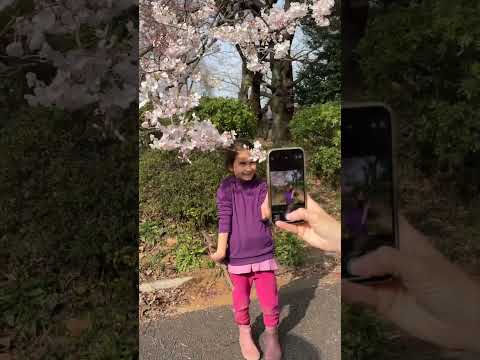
296, 307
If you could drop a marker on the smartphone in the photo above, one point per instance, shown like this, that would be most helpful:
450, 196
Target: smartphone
368, 186
286, 181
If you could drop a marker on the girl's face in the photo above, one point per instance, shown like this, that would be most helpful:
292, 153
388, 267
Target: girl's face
244, 168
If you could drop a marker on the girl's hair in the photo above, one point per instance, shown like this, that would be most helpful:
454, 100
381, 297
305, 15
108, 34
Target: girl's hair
232, 151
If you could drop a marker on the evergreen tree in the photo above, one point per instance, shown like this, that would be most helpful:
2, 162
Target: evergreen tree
320, 79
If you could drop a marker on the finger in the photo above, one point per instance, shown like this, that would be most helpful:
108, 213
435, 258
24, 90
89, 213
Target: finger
358, 294
382, 261
402, 310
299, 214
312, 205
287, 227
412, 241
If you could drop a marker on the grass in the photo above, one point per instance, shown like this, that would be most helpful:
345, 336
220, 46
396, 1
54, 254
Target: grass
452, 223
363, 334
289, 250
151, 232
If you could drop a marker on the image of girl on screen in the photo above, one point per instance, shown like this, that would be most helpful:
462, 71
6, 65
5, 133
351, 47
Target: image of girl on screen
355, 222
289, 197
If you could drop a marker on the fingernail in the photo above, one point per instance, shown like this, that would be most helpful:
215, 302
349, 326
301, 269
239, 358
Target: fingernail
287, 216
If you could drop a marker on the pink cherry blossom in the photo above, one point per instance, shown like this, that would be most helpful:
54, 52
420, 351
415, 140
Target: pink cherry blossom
178, 38
81, 69
321, 9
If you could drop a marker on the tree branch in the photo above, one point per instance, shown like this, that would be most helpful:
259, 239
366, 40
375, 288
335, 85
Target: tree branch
146, 51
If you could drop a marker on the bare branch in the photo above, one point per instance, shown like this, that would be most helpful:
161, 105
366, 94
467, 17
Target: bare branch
146, 51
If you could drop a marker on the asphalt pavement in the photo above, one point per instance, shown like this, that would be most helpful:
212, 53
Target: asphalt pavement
309, 328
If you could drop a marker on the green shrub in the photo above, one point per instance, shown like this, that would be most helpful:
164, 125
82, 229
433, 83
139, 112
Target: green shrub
68, 207
189, 252
228, 114
362, 334
289, 250
178, 191
422, 59
150, 232
172, 191
317, 129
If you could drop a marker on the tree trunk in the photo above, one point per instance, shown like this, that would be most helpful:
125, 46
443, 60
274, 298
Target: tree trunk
354, 20
282, 103
250, 91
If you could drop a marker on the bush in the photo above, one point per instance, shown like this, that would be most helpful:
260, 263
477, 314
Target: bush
189, 253
172, 191
289, 250
68, 209
178, 191
429, 73
317, 129
228, 114
150, 232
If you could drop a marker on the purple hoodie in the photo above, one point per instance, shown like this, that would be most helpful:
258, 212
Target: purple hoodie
238, 205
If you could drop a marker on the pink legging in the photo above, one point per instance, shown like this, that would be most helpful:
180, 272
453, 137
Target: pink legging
267, 293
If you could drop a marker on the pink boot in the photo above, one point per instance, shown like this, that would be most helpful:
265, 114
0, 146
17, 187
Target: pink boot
249, 350
272, 349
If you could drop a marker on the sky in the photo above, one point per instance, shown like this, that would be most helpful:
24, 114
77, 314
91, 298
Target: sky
228, 67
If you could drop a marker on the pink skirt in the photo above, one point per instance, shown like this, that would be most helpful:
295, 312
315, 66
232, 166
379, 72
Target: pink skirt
266, 265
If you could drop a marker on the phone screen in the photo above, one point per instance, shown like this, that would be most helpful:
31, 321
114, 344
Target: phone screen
286, 173
368, 208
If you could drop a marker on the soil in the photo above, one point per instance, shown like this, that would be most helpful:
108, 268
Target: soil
163, 266
210, 287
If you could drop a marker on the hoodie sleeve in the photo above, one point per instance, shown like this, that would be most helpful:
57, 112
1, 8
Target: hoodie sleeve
224, 207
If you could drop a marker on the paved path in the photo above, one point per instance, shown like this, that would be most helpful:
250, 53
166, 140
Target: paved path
309, 328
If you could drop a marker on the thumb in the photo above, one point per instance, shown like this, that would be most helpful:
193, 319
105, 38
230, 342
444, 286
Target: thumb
383, 261
299, 214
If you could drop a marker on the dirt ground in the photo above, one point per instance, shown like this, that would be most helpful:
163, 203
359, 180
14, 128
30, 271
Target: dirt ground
210, 287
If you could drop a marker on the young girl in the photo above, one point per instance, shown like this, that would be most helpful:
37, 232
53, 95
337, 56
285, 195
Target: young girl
243, 211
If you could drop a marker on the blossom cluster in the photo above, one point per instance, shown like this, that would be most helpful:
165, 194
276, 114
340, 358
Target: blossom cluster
320, 10
194, 135
84, 72
257, 153
256, 34
198, 135
177, 39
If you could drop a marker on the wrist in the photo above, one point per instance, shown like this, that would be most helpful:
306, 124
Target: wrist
221, 251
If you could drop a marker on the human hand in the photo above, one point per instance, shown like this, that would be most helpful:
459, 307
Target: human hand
430, 298
319, 229
265, 209
217, 256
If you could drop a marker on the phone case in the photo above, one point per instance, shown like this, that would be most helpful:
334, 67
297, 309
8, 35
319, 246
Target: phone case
268, 176
393, 126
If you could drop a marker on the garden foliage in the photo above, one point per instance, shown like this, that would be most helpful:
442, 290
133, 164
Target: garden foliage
423, 59
317, 129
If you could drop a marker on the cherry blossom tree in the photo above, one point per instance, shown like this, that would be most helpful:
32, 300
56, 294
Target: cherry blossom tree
95, 66
175, 35
173, 39
263, 36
